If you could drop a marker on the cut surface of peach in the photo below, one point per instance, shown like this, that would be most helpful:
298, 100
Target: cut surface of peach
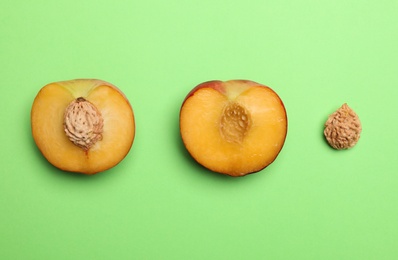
84, 125
234, 127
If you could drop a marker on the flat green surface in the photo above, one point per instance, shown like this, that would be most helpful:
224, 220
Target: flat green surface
312, 203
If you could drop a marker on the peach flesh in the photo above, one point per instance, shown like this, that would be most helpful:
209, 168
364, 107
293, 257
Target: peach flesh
47, 117
235, 127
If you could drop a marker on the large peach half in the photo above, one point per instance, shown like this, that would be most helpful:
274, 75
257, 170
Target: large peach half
84, 125
234, 127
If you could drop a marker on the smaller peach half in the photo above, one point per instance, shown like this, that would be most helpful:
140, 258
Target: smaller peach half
235, 127
84, 125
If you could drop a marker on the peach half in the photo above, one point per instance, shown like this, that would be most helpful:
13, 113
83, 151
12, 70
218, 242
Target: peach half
235, 127
84, 125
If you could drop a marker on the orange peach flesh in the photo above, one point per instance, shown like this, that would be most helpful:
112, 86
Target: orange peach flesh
48, 132
200, 128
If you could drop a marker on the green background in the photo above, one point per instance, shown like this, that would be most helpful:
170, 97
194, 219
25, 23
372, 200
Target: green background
312, 203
